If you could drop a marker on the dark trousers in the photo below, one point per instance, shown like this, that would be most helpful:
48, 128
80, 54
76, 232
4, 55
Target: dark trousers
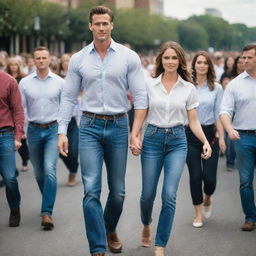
71, 161
24, 153
203, 173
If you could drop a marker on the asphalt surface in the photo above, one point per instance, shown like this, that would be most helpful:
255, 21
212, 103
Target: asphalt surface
220, 236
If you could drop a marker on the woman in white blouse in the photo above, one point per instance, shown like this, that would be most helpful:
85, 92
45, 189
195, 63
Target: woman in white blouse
203, 173
172, 101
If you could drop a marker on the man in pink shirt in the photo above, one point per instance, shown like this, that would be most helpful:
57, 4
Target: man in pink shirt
11, 131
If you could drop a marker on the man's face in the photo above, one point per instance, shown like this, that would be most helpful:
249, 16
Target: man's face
42, 60
101, 27
249, 58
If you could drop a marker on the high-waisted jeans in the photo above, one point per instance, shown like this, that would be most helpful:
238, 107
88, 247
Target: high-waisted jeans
162, 148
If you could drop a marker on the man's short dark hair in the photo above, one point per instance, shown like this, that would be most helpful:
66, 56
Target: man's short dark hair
101, 10
249, 47
40, 48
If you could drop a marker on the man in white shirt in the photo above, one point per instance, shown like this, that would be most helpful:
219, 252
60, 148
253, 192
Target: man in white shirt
238, 117
41, 93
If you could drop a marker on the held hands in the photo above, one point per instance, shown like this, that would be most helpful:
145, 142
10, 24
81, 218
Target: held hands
135, 144
63, 144
207, 151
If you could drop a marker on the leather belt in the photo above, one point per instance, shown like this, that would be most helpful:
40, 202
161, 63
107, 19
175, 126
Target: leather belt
103, 117
44, 126
6, 130
251, 132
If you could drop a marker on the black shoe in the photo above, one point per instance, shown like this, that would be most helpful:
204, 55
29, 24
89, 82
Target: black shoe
14, 220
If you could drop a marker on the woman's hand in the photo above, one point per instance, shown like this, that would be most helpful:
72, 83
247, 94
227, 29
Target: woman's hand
207, 151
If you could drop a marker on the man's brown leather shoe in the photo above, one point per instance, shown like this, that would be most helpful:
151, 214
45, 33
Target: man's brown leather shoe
98, 254
248, 226
114, 245
47, 222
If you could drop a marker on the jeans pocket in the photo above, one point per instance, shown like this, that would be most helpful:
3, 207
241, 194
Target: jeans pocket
86, 121
150, 131
122, 122
180, 133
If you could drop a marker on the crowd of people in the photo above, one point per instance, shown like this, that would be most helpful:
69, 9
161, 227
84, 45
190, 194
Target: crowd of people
195, 107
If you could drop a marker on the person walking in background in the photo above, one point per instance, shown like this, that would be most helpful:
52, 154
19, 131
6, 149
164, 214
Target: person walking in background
41, 93
238, 67
104, 70
237, 115
203, 172
11, 131
218, 65
172, 100
228, 66
14, 69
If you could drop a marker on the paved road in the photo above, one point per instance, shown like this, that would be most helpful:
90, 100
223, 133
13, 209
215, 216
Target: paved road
221, 235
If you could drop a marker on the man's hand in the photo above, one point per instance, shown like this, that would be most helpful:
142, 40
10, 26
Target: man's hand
63, 144
222, 145
233, 134
17, 145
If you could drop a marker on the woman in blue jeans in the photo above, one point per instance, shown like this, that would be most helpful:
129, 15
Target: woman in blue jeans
203, 172
172, 100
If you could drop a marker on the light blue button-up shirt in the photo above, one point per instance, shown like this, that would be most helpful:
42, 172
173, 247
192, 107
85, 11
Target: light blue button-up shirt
239, 102
104, 82
209, 104
41, 98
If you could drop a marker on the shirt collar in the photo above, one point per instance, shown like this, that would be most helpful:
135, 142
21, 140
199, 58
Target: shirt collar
113, 46
245, 75
50, 74
158, 80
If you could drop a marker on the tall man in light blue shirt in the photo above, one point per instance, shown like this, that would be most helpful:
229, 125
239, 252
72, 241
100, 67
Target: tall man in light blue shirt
104, 70
239, 104
41, 93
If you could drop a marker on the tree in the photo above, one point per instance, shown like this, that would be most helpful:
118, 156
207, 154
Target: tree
192, 36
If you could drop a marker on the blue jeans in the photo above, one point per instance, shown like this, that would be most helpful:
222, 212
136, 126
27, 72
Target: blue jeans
230, 152
246, 156
42, 144
102, 140
165, 148
8, 169
71, 161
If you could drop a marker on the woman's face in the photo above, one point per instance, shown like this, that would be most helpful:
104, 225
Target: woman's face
230, 63
201, 65
14, 67
170, 60
240, 66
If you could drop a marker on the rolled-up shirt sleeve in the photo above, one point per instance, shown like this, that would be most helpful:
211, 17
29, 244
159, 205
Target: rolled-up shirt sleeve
136, 82
192, 101
69, 94
228, 103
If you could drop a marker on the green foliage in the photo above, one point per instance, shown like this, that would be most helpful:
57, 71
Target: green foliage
193, 36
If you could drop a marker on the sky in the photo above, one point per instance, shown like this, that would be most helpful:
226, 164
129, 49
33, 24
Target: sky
233, 11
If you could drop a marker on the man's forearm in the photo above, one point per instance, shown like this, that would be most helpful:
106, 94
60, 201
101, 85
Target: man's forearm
139, 118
